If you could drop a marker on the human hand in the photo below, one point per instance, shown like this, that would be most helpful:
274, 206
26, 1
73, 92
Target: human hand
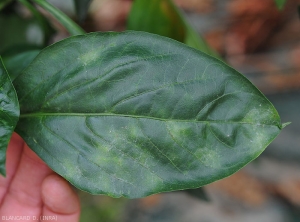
31, 191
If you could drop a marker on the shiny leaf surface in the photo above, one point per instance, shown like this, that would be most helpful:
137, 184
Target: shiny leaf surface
9, 113
132, 114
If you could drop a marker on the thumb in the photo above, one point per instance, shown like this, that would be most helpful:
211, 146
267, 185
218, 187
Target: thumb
60, 201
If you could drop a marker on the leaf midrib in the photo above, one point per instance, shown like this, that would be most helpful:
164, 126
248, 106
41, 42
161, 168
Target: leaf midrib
38, 115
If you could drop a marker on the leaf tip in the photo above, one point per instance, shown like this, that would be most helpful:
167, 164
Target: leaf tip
285, 124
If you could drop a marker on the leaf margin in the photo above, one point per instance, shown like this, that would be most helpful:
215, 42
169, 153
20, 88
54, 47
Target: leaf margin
279, 126
14, 112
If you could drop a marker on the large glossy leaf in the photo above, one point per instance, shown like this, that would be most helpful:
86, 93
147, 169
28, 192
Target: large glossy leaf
9, 113
132, 114
163, 18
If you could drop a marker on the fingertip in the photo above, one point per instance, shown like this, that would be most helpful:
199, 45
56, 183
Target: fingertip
58, 197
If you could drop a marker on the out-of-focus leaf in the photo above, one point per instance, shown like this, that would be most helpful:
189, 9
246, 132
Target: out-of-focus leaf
82, 7
198, 193
4, 3
158, 17
194, 40
133, 114
67, 22
9, 113
19, 49
19, 31
162, 17
41, 20
280, 3
16, 60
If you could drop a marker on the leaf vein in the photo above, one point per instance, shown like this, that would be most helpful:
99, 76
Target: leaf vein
179, 144
215, 101
38, 115
79, 152
152, 90
110, 144
218, 139
148, 138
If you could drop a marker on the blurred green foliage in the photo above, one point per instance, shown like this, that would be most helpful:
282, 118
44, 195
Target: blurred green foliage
16, 30
280, 3
101, 208
162, 17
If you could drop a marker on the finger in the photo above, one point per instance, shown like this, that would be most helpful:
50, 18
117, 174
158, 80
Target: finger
13, 155
60, 201
24, 194
110, 15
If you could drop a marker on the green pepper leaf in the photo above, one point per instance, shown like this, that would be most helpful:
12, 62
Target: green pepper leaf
133, 114
162, 17
9, 113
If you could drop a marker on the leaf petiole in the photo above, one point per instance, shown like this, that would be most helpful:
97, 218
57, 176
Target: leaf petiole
68, 23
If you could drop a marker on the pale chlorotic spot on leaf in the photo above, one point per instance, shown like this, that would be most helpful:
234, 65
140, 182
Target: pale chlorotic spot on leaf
145, 114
